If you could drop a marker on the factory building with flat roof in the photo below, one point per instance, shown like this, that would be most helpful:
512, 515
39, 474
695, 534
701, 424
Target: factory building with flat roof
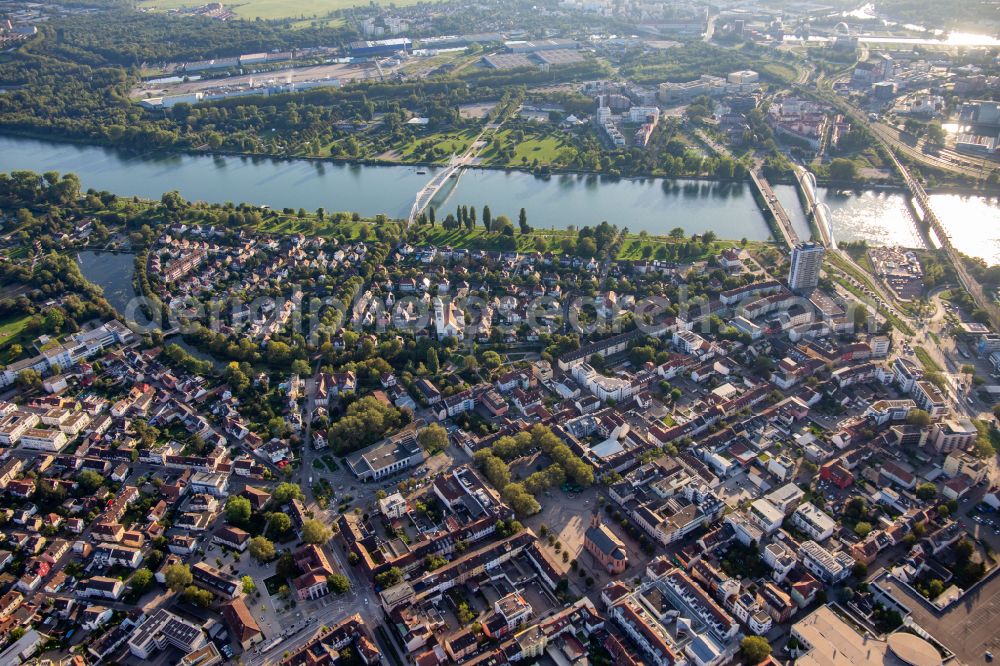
383, 47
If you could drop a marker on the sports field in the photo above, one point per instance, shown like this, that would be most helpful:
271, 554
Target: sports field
274, 9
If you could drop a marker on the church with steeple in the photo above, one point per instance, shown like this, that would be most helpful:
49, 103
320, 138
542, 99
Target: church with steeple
605, 546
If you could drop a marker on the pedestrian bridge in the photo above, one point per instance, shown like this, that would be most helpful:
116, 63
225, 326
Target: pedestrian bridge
819, 210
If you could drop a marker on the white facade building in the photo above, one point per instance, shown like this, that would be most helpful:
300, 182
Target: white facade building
807, 259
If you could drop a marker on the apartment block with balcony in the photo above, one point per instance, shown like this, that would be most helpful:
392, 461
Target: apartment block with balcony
811, 520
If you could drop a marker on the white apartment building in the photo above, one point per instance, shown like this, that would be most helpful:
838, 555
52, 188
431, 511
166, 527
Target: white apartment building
780, 558
828, 567
930, 399
640, 114
602, 387
960, 462
766, 516
807, 260
810, 519
13, 426
786, 498
43, 440
952, 435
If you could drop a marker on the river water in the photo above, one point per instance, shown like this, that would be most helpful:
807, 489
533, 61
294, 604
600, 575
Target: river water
940, 37
647, 204
653, 205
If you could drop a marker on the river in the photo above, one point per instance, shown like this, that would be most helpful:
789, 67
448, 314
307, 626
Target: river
941, 38
655, 205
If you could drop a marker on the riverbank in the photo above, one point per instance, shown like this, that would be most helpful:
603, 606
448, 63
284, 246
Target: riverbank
539, 172
560, 201
543, 173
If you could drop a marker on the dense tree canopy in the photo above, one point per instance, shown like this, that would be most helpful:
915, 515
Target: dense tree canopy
177, 576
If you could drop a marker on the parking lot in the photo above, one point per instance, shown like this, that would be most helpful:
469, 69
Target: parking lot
737, 489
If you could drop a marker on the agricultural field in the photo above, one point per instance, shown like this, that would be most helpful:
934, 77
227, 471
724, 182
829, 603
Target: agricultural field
274, 9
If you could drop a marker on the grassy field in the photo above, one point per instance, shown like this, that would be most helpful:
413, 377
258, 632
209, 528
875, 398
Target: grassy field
12, 331
275, 9
541, 146
546, 150
11, 328
449, 142
317, 23
780, 70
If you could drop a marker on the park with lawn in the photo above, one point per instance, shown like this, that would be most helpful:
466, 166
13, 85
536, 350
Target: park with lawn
15, 336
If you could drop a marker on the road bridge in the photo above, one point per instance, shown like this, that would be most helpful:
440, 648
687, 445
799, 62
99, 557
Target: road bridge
778, 212
782, 221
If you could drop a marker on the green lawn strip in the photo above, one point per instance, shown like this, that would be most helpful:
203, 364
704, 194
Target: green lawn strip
866, 280
861, 259
893, 320
930, 365
478, 238
851, 270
